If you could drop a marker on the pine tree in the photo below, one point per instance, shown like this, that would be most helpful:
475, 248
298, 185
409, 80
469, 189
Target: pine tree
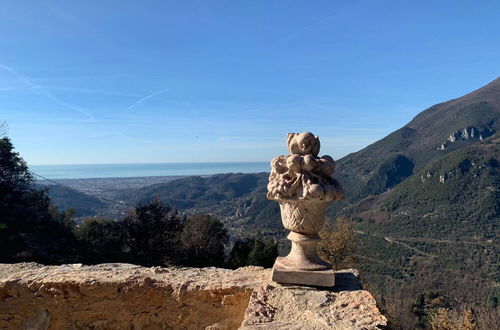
153, 234
263, 253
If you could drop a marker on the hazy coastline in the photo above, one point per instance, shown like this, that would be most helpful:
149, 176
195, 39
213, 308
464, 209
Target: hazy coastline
158, 170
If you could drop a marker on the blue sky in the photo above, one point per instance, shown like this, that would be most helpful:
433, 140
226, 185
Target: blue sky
197, 81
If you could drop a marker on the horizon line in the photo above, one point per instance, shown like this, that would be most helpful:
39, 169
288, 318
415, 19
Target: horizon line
150, 163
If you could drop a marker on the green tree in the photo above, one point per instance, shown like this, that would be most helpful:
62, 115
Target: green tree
238, 257
203, 240
66, 216
153, 234
29, 229
263, 253
418, 308
102, 240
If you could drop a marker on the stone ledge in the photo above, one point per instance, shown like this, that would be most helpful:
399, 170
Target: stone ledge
112, 296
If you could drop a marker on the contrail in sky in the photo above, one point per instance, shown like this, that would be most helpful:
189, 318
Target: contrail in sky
38, 90
147, 97
309, 27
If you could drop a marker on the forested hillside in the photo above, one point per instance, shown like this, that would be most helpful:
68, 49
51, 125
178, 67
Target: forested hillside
437, 232
82, 204
425, 201
238, 198
433, 133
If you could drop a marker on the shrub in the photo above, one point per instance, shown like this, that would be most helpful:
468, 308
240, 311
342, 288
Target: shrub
338, 244
446, 319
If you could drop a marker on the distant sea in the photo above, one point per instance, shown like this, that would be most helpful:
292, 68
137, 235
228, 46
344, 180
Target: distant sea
142, 170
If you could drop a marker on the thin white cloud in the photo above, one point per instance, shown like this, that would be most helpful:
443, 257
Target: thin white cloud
309, 27
59, 12
88, 91
17, 75
6, 89
40, 90
147, 97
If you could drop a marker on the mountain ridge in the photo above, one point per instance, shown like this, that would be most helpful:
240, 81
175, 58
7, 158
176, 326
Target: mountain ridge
420, 140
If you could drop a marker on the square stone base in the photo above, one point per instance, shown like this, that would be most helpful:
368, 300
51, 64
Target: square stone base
324, 278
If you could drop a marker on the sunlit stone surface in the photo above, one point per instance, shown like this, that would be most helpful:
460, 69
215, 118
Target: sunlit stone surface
123, 296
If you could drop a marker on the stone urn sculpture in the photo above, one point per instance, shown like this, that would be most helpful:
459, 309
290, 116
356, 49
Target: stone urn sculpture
303, 186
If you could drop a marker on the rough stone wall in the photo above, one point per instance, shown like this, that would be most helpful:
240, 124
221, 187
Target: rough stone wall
121, 296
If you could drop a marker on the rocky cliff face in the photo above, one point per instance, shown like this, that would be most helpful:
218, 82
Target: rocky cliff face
468, 133
122, 296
